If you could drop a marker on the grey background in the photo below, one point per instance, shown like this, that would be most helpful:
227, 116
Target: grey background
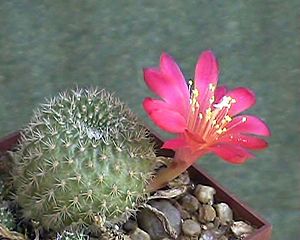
50, 46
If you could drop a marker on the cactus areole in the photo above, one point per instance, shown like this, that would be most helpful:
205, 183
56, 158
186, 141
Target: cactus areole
84, 159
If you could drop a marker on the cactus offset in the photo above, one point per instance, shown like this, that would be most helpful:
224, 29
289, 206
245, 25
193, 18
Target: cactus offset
84, 159
6, 218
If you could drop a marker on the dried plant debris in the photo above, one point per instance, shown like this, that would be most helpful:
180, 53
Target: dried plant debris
5, 233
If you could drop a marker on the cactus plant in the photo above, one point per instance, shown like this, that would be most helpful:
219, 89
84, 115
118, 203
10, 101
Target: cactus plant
2, 189
69, 235
6, 218
83, 159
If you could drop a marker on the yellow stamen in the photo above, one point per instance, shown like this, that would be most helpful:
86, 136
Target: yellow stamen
219, 131
212, 87
195, 93
208, 113
228, 119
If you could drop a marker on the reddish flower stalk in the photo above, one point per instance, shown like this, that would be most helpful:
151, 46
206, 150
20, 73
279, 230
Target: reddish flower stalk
204, 117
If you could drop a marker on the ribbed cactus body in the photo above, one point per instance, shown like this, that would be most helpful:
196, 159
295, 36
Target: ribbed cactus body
83, 159
6, 218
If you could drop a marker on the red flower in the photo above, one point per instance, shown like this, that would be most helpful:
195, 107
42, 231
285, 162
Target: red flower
204, 116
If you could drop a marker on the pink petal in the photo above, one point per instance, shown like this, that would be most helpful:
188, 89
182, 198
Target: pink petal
195, 143
151, 105
206, 73
231, 153
251, 125
220, 92
158, 84
187, 155
168, 120
245, 141
171, 70
244, 97
174, 143
165, 88
194, 137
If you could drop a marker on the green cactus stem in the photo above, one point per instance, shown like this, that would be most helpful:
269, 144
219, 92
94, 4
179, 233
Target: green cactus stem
6, 218
83, 159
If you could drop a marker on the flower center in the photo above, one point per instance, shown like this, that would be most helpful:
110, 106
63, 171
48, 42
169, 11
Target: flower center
208, 123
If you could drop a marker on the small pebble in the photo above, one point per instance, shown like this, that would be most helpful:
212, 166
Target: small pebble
206, 213
130, 225
190, 203
182, 237
223, 238
224, 213
210, 225
191, 228
185, 214
208, 235
241, 229
205, 194
139, 234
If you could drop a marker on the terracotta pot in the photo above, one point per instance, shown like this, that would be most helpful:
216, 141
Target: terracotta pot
241, 210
